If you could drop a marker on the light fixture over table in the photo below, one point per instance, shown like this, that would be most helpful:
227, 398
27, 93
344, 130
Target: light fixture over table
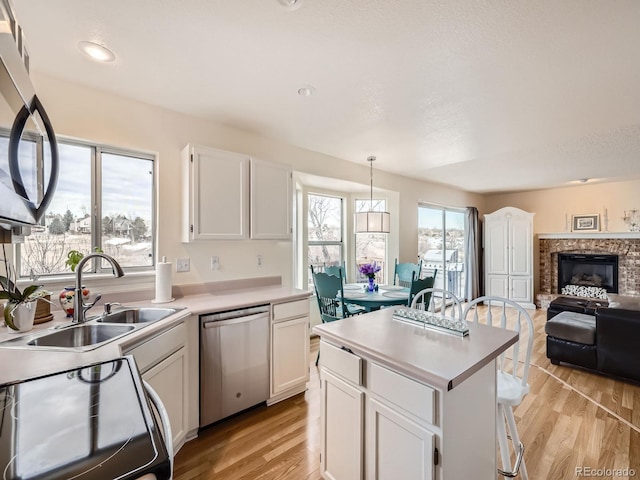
372, 221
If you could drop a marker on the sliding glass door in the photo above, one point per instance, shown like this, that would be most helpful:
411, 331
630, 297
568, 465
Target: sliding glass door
441, 233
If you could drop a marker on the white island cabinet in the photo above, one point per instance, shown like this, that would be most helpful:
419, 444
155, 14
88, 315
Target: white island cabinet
399, 401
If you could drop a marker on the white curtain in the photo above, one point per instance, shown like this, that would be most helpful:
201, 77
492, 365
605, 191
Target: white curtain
472, 254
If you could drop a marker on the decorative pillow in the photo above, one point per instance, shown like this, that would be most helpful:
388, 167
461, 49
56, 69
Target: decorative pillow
584, 291
623, 301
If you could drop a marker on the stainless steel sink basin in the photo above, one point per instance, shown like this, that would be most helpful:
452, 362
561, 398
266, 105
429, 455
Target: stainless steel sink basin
81, 336
137, 315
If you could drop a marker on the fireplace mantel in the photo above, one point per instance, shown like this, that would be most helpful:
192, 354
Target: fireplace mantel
574, 235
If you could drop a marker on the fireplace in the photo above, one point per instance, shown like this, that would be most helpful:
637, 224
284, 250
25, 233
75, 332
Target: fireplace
588, 270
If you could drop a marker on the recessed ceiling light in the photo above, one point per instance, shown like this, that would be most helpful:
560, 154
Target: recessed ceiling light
306, 91
96, 52
290, 4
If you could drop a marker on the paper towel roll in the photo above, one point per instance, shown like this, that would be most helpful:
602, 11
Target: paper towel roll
163, 282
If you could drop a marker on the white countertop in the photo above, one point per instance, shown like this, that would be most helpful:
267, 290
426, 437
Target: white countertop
438, 359
20, 363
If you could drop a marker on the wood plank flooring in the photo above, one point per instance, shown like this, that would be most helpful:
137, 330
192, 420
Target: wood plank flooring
571, 418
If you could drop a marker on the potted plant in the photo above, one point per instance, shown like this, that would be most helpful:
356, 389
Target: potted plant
20, 306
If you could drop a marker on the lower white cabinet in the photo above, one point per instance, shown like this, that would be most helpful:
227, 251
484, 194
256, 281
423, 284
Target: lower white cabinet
163, 362
166, 378
290, 354
397, 444
378, 424
289, 349
342, 427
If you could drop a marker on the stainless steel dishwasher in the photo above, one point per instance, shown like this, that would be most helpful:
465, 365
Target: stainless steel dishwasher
234, 362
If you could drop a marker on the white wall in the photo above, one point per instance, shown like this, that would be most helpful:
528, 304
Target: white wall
88, 114
552, 205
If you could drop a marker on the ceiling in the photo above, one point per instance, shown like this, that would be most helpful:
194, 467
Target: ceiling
487, 95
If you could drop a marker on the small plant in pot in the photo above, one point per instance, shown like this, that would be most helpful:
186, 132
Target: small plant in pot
20, 306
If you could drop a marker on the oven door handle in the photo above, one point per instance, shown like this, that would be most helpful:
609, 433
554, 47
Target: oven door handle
164, 418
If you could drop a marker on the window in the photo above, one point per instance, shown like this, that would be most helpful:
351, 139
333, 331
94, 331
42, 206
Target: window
441, 233
371, 247
324, 226
104, 199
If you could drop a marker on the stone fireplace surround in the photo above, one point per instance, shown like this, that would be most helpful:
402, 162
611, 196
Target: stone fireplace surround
625, 245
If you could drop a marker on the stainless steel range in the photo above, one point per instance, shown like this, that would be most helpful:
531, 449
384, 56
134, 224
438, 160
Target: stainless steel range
88, 423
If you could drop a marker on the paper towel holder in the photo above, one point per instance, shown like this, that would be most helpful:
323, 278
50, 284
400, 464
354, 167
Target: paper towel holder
163, 296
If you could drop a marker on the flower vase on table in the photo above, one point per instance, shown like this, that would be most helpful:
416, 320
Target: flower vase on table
370, 270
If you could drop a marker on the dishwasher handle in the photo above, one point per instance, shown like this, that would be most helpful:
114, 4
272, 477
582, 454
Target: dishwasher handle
233, 321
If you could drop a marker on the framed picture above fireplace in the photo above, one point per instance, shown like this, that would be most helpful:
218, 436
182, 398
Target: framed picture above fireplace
585, 223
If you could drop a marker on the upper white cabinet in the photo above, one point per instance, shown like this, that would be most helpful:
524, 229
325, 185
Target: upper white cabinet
231, 196
508, 254
216, 190
270, 200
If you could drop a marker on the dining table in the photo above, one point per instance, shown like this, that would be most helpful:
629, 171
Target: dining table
386, 295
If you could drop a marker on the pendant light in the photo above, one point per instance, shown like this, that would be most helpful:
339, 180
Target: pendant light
371, 221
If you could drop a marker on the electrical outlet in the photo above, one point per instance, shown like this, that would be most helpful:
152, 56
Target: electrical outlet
182, 265
259, 261
215, 263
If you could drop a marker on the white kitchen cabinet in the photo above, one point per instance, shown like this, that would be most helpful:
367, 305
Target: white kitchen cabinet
271, 200
508, 254
341, 418
393, 426
167, 378
231, 196
216, 191
397, 444
289, 349
163, 361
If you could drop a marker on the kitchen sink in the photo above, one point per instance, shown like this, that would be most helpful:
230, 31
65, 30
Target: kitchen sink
81, 336
95, 332
136, 315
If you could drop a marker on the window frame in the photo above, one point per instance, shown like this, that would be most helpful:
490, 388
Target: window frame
340, 243
377, 204
95, 266
444, 209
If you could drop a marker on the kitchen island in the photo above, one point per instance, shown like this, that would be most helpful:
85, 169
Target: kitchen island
400, 401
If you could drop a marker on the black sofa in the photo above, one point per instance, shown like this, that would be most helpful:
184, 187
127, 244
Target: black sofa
604, 339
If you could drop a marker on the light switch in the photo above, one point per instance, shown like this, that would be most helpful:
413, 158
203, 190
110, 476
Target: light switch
215, 263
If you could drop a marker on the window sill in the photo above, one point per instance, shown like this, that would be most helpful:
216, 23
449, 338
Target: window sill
97, 282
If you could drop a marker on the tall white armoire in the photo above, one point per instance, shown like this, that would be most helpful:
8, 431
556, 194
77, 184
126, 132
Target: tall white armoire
508, 255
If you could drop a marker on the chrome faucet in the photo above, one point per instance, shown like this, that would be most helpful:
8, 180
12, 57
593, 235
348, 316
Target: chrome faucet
79, 307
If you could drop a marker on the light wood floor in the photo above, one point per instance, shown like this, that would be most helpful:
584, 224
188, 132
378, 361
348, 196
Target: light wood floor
571, 418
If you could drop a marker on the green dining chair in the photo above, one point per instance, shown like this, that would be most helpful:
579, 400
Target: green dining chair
337, 270
417, 285
328, 291
403, 273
